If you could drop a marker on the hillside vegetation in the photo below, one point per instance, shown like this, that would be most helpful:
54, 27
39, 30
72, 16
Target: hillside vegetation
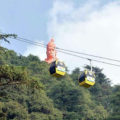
28, 92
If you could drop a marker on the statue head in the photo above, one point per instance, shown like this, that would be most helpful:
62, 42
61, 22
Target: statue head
51, 51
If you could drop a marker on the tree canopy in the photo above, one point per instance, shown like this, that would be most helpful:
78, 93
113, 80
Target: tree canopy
28, 92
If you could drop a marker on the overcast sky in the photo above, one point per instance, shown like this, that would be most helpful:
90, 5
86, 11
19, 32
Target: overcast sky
89, 26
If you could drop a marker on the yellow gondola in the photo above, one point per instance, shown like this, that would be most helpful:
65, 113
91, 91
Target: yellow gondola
87, 79
57, 69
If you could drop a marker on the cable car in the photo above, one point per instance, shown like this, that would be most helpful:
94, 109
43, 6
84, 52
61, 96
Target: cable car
87, 79
57, 68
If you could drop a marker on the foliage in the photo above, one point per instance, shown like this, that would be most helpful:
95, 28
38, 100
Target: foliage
115, 104
29, 92
12, 74
13, 110
5, 36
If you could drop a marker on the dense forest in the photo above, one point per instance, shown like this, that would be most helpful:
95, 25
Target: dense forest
28, 92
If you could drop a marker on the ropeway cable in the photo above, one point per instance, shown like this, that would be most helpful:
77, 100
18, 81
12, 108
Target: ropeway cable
44, 46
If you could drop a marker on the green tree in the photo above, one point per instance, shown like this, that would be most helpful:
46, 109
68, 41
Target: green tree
5, 36
13, 110
115, 104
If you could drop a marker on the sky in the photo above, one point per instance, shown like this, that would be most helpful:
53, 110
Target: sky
89, 26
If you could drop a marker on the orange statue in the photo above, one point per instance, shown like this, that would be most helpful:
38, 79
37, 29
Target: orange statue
51, 52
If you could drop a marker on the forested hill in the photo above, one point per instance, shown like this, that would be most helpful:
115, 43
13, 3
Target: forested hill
28, 92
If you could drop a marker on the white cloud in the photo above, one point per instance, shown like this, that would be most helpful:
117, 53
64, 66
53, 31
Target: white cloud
90, 29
